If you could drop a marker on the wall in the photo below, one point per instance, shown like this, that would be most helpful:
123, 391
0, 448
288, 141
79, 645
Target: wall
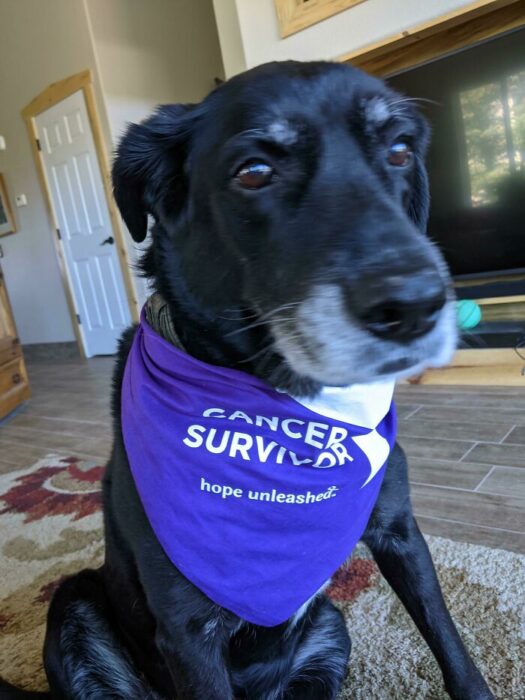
356, 27
153, 52
142, 53
40, 42
150, 53
229, 29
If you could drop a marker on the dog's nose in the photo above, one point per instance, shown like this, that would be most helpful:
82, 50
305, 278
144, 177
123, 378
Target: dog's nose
399, 307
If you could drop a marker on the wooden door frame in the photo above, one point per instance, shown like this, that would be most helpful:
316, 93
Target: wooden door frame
463, 27
50, 96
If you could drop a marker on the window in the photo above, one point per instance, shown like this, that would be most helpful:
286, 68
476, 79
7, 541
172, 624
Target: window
494, 127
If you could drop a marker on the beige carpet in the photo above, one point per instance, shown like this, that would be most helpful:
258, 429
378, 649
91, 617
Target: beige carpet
50, 526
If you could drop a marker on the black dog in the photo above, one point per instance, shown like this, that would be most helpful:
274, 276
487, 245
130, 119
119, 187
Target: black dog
290, 210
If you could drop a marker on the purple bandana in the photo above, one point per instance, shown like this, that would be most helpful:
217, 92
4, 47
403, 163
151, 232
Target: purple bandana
256, 497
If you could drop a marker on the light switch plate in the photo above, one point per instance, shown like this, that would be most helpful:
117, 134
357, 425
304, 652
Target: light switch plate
2, 144
21, 200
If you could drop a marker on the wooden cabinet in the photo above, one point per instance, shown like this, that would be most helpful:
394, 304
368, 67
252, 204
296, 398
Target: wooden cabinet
14, 385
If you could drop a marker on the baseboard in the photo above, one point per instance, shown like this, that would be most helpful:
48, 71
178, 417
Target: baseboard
51, 351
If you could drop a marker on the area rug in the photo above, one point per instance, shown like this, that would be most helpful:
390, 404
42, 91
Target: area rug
51, 526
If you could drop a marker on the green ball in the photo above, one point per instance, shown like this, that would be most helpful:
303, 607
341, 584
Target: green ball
469, 314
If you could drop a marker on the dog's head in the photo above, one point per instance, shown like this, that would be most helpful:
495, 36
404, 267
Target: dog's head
290, 209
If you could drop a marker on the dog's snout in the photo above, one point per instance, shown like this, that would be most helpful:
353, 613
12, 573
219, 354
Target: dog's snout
400, 308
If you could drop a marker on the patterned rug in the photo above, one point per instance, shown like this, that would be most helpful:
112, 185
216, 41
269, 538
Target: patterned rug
50, 527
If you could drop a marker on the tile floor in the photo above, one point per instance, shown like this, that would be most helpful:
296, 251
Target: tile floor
466, 445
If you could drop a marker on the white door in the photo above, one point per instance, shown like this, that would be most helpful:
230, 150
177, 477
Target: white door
79, 201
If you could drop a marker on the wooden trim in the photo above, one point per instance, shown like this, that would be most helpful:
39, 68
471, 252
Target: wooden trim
505, 307
490, 367
455, 30
476, 282
501, 300
481, 357
6, 206
295, 15
56, 92
502, 309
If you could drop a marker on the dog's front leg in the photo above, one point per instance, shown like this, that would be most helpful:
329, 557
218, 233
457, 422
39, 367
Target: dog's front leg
404, 560
192, 632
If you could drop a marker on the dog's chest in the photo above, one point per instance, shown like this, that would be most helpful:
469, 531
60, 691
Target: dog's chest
246, 488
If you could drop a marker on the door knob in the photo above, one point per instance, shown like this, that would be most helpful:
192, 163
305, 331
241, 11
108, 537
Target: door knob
108, 241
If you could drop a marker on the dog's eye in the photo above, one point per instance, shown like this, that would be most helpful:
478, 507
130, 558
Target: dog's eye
399, 154
254, 175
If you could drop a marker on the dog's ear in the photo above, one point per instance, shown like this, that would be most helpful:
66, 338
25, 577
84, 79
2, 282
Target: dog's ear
419, 202
149, 166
